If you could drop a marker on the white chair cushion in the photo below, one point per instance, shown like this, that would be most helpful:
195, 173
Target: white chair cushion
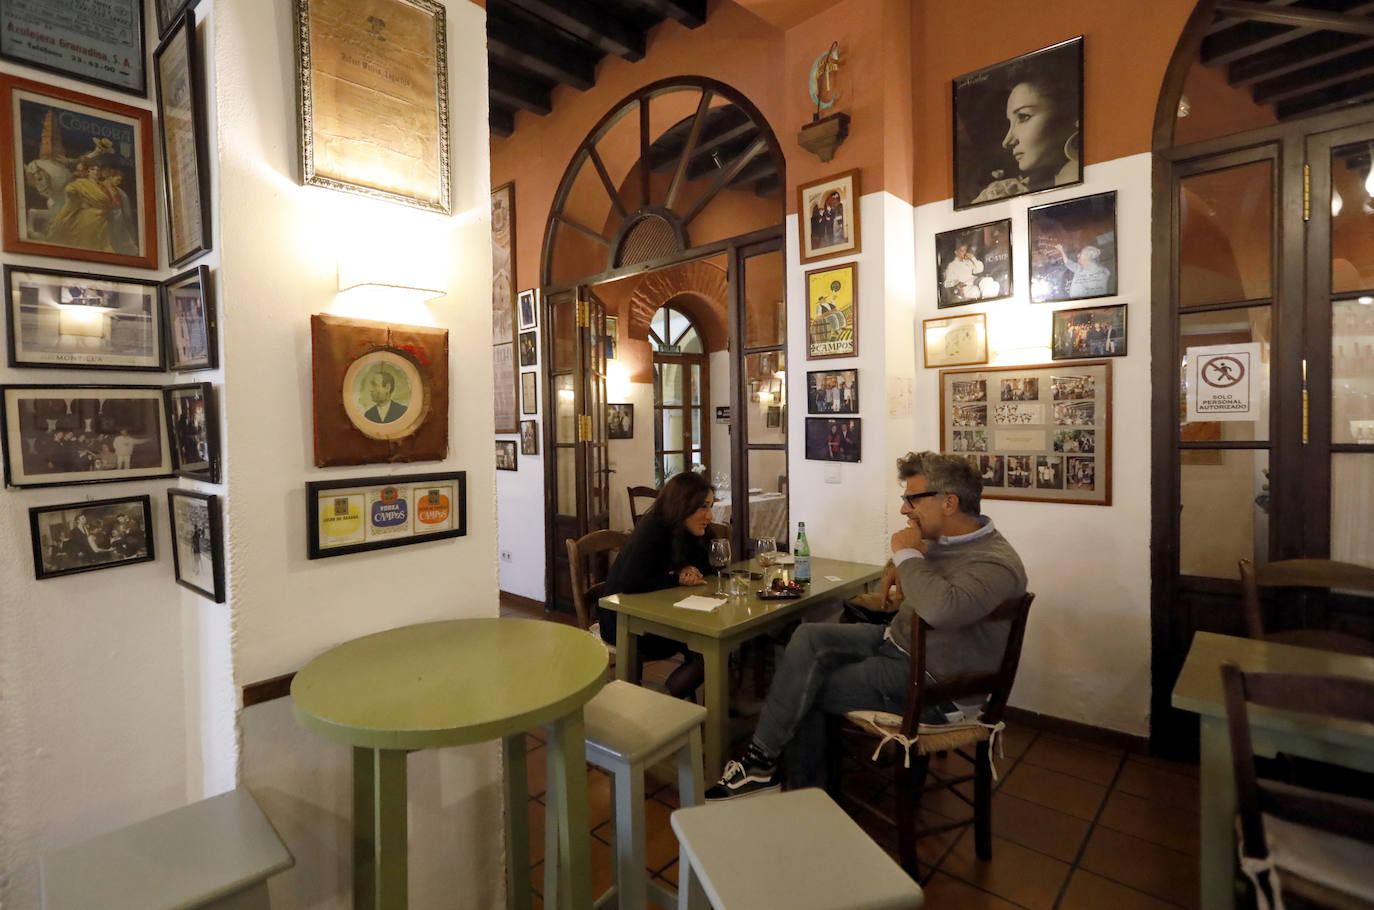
1341, 863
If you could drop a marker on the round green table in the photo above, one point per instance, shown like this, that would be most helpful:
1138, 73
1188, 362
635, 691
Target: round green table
450, 684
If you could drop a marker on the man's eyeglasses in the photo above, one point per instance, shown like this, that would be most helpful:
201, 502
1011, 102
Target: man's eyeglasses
911, 498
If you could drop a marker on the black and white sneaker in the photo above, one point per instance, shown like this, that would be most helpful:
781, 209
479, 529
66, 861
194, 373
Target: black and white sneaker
745, 779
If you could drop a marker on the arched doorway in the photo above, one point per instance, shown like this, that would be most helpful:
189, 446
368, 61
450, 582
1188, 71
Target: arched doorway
678, 189
1263, 302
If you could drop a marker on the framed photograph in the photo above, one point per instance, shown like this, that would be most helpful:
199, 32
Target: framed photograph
504, 368
834, 439
772, 418
380, 391
167, 12
505, 455
529, 355
86, 536
529, 437
956, 340
195, 430
1092, 332
59, 146
189, 313
832, 312
620, 421
372, 91
1041, 432
528, 303
973, 264
1018, 126
181, 127
58, 435
80, 321
358, 514
1073, 249
101, 43
832, 392
503, 309
612, 337
529, 393
197, 542
828, 216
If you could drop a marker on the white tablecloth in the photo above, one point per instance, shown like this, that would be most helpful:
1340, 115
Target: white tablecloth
767, 514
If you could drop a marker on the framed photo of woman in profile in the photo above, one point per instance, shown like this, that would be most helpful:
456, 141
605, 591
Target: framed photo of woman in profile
1018, 126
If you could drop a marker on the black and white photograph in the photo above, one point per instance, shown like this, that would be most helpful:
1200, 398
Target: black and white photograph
1021, 388
620, 421
1018, 126
505, 455
1080, 473
197, 542
1093, 332
529, 437
1075, 413
971, 390
1079, 441
1073, 388
1073, 249
1019, 471
73, 434
80, 321
1049, 472
834, 440
189, 311
528, 353
970, 415
970, 440
195, 430
527, 303
85, 536
993, 470
973, 264
832, 392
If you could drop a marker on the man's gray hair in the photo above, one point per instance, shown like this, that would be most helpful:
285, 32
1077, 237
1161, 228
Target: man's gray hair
946, 473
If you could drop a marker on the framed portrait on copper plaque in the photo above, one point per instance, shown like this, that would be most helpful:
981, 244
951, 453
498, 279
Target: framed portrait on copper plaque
381, 392
372, 87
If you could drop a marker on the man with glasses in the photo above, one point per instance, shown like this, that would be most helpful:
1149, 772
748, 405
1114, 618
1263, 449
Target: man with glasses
951, 567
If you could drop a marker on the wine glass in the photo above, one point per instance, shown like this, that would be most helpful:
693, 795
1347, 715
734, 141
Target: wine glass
766, 551
720, 558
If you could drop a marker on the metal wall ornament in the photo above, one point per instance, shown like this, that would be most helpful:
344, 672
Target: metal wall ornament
58, 147
75, 320
197, 542
381, 129
101, 43
182, 130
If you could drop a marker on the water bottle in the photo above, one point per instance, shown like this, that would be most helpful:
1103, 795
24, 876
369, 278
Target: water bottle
802, 573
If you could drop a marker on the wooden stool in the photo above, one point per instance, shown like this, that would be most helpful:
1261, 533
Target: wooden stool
797, 850
628, 729
218, 853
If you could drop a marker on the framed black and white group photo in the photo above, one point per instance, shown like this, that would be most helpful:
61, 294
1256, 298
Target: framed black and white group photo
86, 536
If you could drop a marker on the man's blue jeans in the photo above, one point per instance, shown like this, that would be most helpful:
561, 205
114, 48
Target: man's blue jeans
828, 668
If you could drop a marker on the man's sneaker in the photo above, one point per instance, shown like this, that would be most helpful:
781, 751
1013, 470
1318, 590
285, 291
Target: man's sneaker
745, 779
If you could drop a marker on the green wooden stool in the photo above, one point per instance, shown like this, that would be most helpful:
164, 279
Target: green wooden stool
217, 853
629, 729
797, 850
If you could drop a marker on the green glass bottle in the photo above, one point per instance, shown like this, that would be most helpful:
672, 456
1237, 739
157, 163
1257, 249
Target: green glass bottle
803, 555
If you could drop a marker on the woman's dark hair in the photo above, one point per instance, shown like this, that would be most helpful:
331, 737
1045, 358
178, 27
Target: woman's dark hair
682, 495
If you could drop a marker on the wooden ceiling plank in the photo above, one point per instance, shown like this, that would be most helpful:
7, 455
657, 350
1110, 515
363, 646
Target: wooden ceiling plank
1243, 40
517, 92
1309, 51
501, 121
691, 13
1347, 95
1350, 23
727, 174
1323, 75
598, 27
521, 49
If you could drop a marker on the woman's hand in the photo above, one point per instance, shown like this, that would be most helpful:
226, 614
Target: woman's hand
690, 575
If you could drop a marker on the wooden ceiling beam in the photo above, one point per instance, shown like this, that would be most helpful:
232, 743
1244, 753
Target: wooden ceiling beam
517, 92
1308, 51
691, 13
1350, 23
1345, 95
1312, 78
598, 27
522, 49
501, 121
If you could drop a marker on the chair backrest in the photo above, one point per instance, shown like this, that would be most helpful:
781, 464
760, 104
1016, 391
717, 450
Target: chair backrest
1331, 696
718, 531
996, 685
582, 566
1296, 573
635, 493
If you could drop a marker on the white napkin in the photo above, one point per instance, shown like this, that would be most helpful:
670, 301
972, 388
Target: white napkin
784, 559
697, 602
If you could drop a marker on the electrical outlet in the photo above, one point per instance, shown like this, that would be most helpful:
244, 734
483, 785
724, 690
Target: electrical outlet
505, 555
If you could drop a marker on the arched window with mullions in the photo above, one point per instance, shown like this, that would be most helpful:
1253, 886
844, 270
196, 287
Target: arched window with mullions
682, 394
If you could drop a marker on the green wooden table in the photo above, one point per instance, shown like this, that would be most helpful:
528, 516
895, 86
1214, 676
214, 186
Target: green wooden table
716, 634
450, 684
1199, 690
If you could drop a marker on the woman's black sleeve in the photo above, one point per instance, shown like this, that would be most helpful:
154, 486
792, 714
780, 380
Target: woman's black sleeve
644, 562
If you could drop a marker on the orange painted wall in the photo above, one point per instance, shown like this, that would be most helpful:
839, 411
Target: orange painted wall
1127, 49
1217, 108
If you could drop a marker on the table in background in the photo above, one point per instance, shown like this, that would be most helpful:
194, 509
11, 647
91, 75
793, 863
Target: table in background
451, 684
1199, 690
767, 514
715, 634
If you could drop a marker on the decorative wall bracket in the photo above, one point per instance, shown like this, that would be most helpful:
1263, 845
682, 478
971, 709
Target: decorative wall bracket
823, 135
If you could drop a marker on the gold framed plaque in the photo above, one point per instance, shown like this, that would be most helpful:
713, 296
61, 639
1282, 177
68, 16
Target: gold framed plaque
372, 85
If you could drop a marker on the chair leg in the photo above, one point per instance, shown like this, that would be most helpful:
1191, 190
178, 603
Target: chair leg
909, 782
982, 802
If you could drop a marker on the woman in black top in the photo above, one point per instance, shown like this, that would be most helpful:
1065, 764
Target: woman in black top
669, 547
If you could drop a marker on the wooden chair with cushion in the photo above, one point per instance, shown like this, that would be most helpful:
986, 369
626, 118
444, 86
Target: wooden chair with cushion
640, 493
871, 731
1300, 847
1311, 574
589, 558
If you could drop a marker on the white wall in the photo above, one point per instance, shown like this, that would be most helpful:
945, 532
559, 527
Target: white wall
520, 543
277, 270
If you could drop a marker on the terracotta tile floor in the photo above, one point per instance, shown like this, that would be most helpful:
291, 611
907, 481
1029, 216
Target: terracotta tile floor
1076, 826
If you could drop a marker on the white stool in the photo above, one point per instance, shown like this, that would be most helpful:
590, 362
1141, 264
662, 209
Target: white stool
797, 850
629, 728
